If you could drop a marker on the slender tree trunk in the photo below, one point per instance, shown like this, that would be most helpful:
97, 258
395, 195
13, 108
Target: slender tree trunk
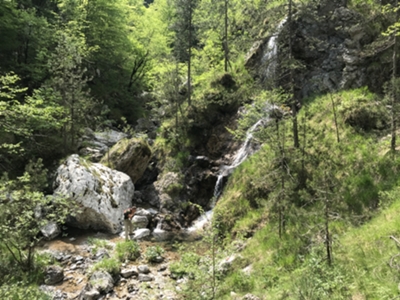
294, 106
190, 54
302, 175
394, 94
335, 117
213, 262
226, 49
281, 145
72, 111
327, 234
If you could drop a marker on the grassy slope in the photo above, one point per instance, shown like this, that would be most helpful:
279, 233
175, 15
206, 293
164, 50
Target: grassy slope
295, 267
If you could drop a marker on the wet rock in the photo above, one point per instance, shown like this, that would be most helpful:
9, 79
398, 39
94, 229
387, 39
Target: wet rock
140, 234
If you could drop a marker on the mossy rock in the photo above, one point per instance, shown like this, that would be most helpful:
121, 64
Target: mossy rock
364, 113
130, 156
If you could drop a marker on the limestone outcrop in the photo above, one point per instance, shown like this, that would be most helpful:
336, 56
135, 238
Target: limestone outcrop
102, 193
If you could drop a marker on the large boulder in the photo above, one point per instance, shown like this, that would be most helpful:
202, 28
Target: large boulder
103, 194
130, 156
95, 144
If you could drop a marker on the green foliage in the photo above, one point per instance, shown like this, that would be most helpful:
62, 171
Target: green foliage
363, 110
316, 280
186, 265
351, 180
24, 210
29, 127
110, 265
127, 250
22, 290
153, 252
98, 244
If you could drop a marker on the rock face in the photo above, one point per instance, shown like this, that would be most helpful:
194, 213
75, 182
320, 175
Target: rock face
331, 40
96, 144
103, 194
129, 156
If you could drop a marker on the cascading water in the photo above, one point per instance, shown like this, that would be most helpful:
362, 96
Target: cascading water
269, 57
248, 147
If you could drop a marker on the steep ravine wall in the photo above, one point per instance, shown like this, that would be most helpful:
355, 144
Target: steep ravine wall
334, 46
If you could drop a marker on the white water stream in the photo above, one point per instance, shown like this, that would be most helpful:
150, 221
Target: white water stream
247, 148
271, 53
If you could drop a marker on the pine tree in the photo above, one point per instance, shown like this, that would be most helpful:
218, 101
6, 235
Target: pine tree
185, 38
69, 82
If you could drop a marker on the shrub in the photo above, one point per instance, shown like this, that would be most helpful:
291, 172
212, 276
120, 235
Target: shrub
22, 291
110, 265
153, 252
127, 250
189, 261
362, 110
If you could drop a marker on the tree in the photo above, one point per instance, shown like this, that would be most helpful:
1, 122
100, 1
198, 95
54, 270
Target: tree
394, 90
21, 206
69, 83
185, 37
29, 126
291, 80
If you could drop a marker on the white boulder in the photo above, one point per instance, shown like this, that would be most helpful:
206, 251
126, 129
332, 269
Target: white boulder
102, 193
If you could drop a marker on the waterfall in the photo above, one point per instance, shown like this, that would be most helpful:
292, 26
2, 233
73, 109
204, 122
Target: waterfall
248, 147
269, 57
244, 151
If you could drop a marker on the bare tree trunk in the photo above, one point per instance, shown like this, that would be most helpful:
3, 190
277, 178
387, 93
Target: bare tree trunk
226, 49
394, 96
281, 145
72, 112
335, 117
294, 106
327, 234
190, 54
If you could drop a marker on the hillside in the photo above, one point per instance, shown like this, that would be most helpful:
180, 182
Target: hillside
276, 118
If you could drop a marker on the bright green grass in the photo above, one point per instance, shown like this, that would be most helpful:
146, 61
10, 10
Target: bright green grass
295, 266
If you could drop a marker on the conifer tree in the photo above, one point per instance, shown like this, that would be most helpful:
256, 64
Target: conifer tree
185, 38
69, 83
